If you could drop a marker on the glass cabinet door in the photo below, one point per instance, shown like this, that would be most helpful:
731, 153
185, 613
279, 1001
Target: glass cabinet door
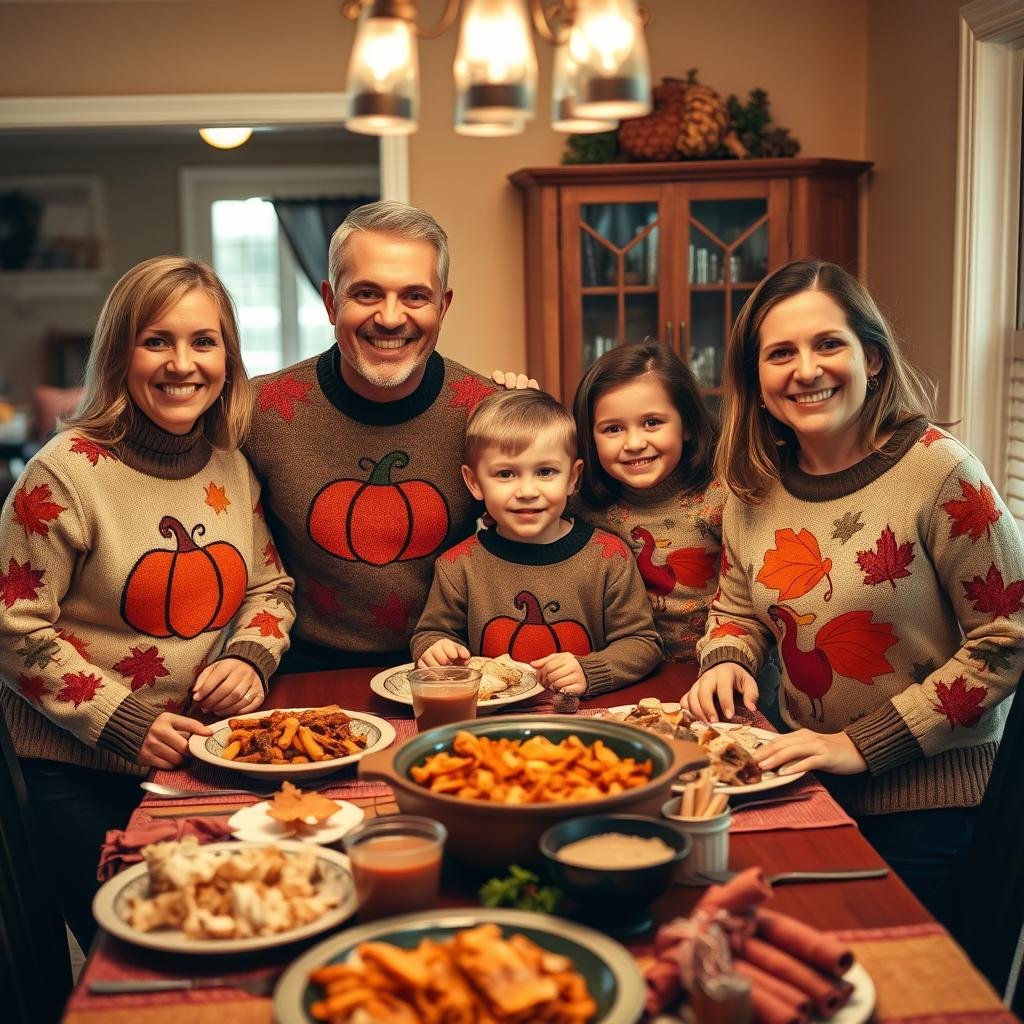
613, 242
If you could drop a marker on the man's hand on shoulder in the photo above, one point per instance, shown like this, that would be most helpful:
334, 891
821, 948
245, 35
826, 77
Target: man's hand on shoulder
512, 381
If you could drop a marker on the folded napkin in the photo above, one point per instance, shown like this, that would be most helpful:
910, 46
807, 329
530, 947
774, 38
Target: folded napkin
124, 847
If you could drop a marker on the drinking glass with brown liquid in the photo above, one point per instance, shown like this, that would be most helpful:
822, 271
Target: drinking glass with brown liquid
443, 695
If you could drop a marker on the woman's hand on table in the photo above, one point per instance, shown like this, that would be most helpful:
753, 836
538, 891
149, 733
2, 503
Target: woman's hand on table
166, 743
228, 687
443, 652
722, 681
806, 750
560, 672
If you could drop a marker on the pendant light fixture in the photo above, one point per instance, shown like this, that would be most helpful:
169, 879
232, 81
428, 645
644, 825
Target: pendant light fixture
225, 138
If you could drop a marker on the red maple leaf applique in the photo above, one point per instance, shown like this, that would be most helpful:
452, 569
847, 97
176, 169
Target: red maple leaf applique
217, 498
271, 557
468, 393
610, 545
142, 667
32, 688
888, 562
394, 614
266, 623
931, 435
33, 509
91, 450
174, 706
282, 394
729, 629
975, 514
323, 598
992, 596
79, 688
464, 547
80, 645
726, 564
20, 583
960, 703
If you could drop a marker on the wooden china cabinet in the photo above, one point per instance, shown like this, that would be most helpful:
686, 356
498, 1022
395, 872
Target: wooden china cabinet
616, 253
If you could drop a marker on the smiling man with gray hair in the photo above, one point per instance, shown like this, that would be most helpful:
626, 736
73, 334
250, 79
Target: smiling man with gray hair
359, 449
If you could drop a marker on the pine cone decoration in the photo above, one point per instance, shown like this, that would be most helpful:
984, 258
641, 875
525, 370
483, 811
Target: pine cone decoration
705, 122
649, 138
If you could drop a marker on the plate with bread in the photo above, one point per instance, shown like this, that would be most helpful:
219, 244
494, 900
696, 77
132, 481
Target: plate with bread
730, 745
502, 682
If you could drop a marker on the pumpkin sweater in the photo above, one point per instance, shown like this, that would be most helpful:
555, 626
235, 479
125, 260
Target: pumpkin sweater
362, 495
124, 571
676, 535
895, 590
580, 594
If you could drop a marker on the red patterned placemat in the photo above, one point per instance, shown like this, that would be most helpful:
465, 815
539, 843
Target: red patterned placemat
819, 810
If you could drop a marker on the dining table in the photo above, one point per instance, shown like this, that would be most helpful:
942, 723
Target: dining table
920, 974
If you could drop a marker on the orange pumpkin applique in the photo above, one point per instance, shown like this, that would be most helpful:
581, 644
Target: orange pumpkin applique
377, 521
532, 636
187, 591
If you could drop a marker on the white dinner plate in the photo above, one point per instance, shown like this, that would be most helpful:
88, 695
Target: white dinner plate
611, 973
856, 1011
253, 824
111, 903
769, 780
393, 684
379, 734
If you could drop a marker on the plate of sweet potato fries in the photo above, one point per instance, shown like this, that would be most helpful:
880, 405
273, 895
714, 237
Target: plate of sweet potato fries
292, 743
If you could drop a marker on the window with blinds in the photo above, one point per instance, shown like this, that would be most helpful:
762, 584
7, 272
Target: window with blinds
1015, 445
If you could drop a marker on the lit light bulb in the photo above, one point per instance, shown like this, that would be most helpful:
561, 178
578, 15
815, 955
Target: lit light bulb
383, 76
606, 37
225, 138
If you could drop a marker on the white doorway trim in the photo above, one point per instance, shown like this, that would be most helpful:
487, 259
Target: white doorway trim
204, 109
986, 231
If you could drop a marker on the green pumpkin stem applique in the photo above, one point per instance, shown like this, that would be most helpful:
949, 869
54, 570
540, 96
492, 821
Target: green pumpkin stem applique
183, 592
376, 520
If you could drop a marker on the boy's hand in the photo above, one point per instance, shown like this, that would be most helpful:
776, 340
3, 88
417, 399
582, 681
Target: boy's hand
561, 672
443, 652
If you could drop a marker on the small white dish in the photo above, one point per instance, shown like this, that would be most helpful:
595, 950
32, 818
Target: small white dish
253, 824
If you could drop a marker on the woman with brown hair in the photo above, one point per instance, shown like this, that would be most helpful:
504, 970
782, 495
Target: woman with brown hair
873, 549
137, 577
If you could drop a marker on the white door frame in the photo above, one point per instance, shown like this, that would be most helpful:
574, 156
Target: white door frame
323, 108
986, 234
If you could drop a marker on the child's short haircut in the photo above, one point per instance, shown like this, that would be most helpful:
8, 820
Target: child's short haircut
512, 420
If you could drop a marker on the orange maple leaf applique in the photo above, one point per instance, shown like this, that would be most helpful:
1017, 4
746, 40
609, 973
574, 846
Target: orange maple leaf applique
610, 545
464, 547
729, 629
468, 393
693, 566
394, 614
266, 623
217, 498
142, 667
20, 583
271, 557
32, 688
991, 596
975, 514
855, 646
888, 562
960, 703
323, 598
281, 394
794, 567
34, 509
79, 688
91, 450
931, 435
80, 645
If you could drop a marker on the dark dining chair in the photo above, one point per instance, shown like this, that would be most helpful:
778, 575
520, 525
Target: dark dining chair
35, 965
990, 916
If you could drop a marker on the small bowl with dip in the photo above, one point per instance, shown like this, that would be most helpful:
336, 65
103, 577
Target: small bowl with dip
613, 866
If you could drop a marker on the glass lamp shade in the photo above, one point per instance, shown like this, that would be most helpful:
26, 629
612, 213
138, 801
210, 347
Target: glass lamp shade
484, 129
225, 138
612, 74
383, 77
564, 117
495, 64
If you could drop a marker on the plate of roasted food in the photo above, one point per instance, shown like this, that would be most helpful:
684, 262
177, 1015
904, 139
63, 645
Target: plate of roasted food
502, 681
730, 745
294, 743
466, 964
231, 897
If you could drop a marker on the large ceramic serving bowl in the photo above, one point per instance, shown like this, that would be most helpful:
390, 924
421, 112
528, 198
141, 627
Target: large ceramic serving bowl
495, 835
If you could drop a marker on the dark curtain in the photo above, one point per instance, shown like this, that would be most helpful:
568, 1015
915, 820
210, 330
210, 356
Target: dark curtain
308, 225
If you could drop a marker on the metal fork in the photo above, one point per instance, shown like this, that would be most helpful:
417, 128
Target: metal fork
799, 876
262, 986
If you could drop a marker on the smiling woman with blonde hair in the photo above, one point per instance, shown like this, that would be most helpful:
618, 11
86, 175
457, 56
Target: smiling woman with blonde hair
140, 578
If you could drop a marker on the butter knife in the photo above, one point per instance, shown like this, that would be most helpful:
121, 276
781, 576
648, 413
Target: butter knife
256, 986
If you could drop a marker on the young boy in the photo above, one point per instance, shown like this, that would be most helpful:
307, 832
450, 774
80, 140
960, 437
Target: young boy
557, 593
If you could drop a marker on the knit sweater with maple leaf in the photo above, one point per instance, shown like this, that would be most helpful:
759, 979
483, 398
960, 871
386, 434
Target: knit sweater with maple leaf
895, 590
676, 535
362, 496
581, 594
124, 571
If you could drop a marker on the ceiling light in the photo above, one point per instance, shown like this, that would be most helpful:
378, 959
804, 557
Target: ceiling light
601, 69
225, 138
